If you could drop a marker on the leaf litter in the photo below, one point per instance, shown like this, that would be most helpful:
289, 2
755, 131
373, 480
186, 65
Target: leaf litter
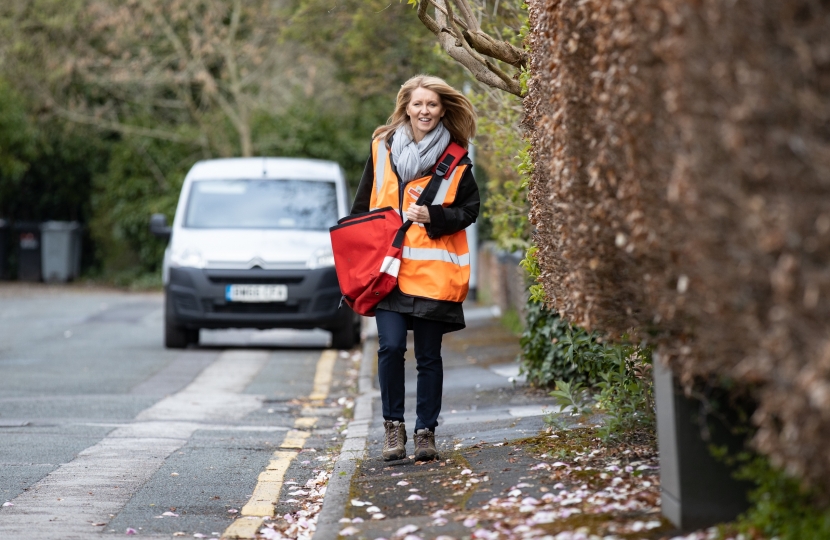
569, 486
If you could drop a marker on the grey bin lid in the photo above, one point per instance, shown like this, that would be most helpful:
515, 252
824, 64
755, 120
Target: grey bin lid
60, 226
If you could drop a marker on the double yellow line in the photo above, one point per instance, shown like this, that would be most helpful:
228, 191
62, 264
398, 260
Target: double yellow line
270, 481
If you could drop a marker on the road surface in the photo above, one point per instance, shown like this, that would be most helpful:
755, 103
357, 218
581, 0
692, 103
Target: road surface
103, 430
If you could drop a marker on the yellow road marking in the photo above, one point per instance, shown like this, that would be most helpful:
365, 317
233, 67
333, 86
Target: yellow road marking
244, 527
295, 439
269, 485
322, 379
270, 482
307, 422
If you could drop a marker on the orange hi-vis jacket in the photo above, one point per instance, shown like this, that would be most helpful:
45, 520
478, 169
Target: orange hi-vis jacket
436, 268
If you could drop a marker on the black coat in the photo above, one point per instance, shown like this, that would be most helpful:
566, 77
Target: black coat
443, 221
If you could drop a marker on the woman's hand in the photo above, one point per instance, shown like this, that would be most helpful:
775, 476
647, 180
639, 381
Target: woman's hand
418, 214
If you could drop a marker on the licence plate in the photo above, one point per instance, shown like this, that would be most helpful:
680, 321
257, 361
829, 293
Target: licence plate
256, 293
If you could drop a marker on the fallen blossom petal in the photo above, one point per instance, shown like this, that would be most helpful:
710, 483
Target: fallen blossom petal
466, 471
439, 522
514, 493
8, 503
403, 483
349, 531
543, 517
470, 522
130, 531
444, 537
412, 537
406, 529
559, 464
373, 510
271, 534
345, 520
170, 514
414, 497
378, 516
358, 503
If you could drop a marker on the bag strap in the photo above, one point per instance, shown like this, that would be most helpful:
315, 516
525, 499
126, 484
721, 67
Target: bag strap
443, 167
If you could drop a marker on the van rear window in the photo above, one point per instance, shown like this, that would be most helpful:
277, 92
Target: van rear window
262, 204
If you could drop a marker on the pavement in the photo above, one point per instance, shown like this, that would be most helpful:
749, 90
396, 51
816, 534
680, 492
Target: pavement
503, 472
486, 409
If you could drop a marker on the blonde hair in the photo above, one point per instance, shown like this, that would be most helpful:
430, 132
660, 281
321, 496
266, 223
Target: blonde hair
459, 115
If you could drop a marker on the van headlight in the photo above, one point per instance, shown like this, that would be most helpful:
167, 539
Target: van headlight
322, 258
188, 258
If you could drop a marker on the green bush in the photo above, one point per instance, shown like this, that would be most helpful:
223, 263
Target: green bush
552, 350
781, 506
626, 392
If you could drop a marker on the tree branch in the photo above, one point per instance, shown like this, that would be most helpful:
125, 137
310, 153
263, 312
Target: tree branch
500, 50
463, 50
467, 15
443, 10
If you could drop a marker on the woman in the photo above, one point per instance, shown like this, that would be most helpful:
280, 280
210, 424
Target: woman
435, 270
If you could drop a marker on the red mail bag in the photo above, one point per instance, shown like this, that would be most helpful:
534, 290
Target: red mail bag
367, 247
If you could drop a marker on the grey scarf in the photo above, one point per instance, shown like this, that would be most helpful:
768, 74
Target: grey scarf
413, 159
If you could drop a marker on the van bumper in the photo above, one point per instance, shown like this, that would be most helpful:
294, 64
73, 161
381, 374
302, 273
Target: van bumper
197, 299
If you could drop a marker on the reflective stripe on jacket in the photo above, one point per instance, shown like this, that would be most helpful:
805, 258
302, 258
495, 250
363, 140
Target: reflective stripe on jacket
430, 268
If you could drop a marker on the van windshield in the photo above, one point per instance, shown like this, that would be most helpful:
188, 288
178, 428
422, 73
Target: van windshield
262, 204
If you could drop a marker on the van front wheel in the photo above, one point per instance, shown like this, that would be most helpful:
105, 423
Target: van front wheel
175, 336
179, 337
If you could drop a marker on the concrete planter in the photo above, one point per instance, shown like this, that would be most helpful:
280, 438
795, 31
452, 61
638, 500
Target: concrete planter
697, 490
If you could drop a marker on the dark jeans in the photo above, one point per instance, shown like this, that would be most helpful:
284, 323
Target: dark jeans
392, 340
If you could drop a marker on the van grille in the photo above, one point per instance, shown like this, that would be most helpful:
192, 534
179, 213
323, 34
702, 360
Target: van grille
254, 278
256, 308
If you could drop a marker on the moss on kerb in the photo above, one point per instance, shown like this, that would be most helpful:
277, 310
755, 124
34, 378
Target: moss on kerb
589, 523
353, 489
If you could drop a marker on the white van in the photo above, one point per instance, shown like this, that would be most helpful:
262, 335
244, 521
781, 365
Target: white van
250, 248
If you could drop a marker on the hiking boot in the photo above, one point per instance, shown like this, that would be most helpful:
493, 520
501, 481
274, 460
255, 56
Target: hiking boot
394, 440
425, 445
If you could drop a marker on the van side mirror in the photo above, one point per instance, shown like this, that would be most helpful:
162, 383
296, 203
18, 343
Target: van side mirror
158, 226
